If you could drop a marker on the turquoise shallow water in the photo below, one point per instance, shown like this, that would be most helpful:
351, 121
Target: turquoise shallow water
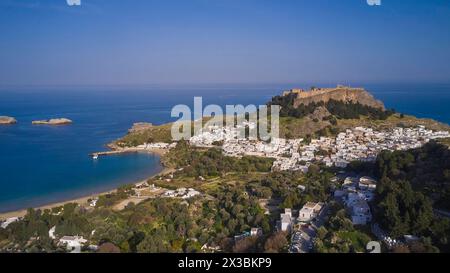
44, 164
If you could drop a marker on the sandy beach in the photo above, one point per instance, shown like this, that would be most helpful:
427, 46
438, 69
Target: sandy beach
84, 200
21, 213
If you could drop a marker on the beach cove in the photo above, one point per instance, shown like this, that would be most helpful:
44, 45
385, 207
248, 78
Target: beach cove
82, 201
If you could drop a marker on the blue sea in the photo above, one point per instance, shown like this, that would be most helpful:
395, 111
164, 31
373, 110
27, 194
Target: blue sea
44, 164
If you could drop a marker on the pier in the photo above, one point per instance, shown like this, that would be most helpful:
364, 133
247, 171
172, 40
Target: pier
158, 151
115, 152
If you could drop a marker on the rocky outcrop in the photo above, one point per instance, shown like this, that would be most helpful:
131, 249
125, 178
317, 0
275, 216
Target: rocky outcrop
320, 113
340, 93
140, 126
54, 121
4, 120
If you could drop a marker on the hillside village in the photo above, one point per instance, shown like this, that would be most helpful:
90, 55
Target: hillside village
354, 193
362, 144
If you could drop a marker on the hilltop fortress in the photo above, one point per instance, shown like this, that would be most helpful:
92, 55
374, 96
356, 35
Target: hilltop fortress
339, 93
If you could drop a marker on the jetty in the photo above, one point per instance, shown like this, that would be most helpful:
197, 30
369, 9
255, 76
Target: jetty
153, 148
115, 152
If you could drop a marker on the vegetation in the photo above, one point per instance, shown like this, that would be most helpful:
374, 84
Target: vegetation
212, 162
318, 119
410, 183
232, 206
161, 133
338, 109
110, 199
426, 169
284, 187
157, 225
338, 235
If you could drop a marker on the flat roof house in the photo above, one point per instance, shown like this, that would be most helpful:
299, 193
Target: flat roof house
73, 243
367, 183
309, 211
361, 214
256, 232
286, 220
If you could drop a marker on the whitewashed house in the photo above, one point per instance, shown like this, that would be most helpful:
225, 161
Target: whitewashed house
361, 214
309, 211
9, 221
367, 183
256, 232
286, 220
51, 233
73, 243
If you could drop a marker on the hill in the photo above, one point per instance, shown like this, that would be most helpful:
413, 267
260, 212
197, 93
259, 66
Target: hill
339, 93
328, 111
142, 133
314, 113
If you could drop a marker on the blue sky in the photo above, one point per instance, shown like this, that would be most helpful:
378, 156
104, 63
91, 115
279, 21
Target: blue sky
109, 42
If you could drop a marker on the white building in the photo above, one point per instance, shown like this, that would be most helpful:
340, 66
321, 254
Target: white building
51, 233
9, 221
309, 211
73, 243
359, 208
367, 183
170, 193
190, 193
93, 202
361, 214
286, 220
256, 232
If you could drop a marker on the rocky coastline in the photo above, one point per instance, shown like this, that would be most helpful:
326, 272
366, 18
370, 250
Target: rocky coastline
5, 120
54, 121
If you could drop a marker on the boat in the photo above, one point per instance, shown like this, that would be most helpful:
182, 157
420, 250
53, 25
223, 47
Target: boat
95, 156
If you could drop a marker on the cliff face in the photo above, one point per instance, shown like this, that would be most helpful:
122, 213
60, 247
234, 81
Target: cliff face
340, 93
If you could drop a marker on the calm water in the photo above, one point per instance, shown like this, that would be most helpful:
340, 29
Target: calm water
44, 164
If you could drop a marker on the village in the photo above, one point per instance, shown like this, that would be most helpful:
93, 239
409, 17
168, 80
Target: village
354, 193
357, 144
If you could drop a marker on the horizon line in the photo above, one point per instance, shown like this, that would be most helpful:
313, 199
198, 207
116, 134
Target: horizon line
222, 84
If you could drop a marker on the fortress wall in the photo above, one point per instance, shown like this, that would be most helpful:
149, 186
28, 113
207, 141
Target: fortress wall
345, 94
